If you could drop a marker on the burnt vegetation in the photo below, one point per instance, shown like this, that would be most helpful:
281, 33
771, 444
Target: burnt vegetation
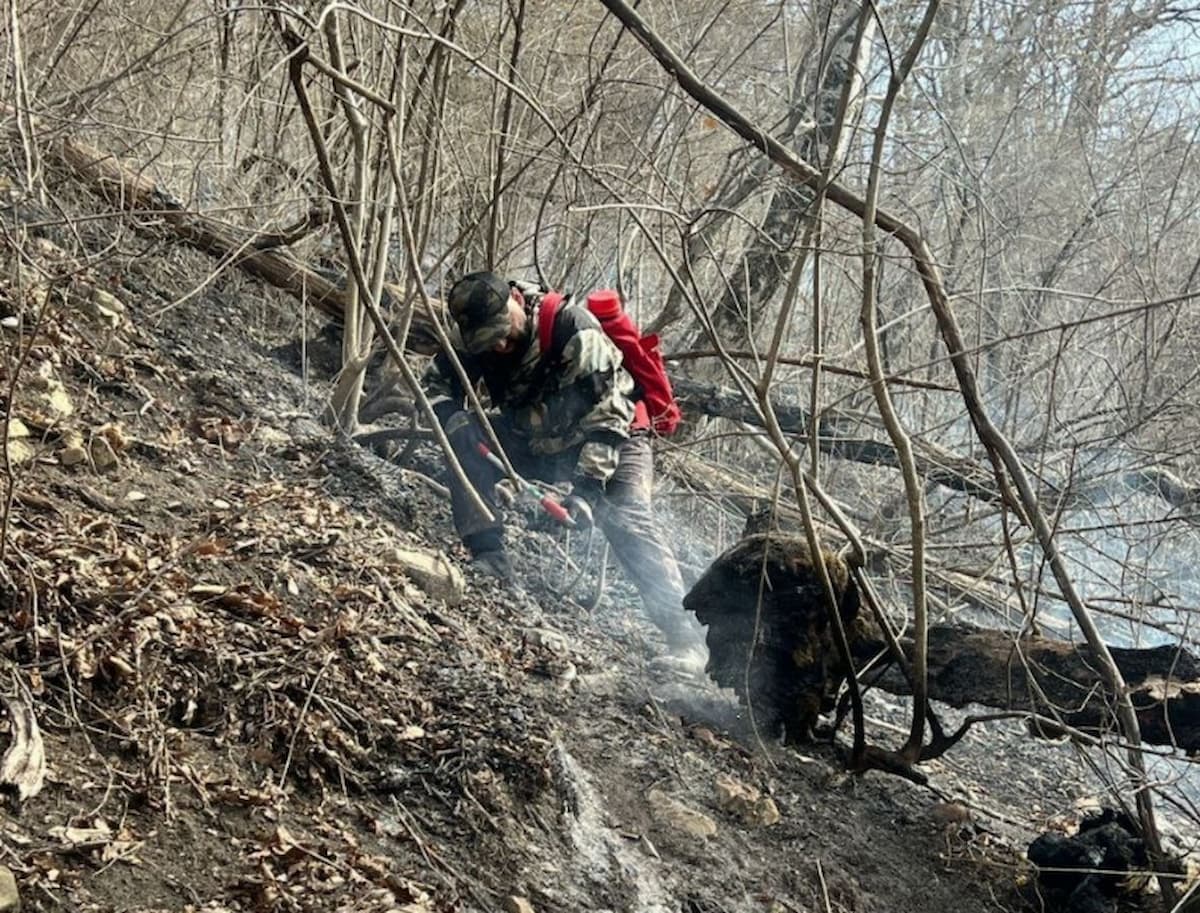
925, 275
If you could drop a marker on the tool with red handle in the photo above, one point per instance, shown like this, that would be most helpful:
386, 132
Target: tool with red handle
527, 488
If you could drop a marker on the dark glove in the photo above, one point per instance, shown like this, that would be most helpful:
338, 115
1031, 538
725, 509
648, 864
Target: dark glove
580, 511
586, 494
444, 408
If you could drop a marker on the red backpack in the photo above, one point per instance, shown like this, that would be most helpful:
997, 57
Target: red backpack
655, 404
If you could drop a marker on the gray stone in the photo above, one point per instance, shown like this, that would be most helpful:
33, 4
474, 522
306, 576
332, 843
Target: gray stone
103, 456
746, 801
674, 814
432, 572
10, 899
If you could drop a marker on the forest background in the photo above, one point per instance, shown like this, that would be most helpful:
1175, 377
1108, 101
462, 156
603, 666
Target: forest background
959, 240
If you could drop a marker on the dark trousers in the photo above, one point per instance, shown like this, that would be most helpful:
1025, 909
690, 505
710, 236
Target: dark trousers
625, 515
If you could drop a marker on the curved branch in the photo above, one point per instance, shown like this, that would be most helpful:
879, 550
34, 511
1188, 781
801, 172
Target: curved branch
1004, 458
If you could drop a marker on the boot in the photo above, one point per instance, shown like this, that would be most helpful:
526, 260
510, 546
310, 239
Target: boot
494, 563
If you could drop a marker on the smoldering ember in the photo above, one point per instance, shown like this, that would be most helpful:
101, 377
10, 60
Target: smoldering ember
668, 458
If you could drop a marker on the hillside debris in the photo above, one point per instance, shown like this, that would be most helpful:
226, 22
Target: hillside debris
267, 693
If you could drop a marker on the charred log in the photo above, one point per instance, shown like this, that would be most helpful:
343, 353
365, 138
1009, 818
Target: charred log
770, 641
769, 636
1087, 872
1048, 677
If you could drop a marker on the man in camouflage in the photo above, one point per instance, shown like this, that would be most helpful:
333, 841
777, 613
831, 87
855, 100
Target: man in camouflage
565, 417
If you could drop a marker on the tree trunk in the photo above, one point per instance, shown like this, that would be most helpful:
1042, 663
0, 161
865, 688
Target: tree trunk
1033, 674
770, 251
135, 192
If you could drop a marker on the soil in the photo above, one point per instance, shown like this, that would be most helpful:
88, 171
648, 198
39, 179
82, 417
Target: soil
247, 706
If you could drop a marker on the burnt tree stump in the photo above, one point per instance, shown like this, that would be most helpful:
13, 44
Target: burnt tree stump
781, 659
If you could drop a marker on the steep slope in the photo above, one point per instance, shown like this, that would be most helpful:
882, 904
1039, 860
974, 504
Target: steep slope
261, 688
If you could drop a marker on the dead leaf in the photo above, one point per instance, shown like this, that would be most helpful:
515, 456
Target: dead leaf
121, 668
23, 767
121, 851
224, 432
212, 547
250, 599
115, 435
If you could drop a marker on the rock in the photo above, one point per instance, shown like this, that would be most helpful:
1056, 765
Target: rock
50, 390
108, 308
73, 450
272, 437
60, 402
514, 903
547, 639
677, 816
767, 812
103, 307
432, 572
746, 802
18, 450
103, 456
10, 900
706, 736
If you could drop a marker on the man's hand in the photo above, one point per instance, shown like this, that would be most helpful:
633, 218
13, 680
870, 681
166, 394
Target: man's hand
586, 494
580, 511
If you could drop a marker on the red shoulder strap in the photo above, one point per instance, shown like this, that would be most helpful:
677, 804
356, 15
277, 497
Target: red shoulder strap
547, 311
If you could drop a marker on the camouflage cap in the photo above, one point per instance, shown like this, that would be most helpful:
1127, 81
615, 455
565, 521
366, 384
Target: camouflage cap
479, 304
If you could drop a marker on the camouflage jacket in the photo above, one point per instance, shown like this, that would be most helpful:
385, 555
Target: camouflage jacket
579, 402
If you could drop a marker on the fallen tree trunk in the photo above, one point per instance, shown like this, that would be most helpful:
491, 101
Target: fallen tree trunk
841, 436
1036, 675
761, 601
137, 193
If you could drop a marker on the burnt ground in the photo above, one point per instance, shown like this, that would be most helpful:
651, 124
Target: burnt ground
246, 704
